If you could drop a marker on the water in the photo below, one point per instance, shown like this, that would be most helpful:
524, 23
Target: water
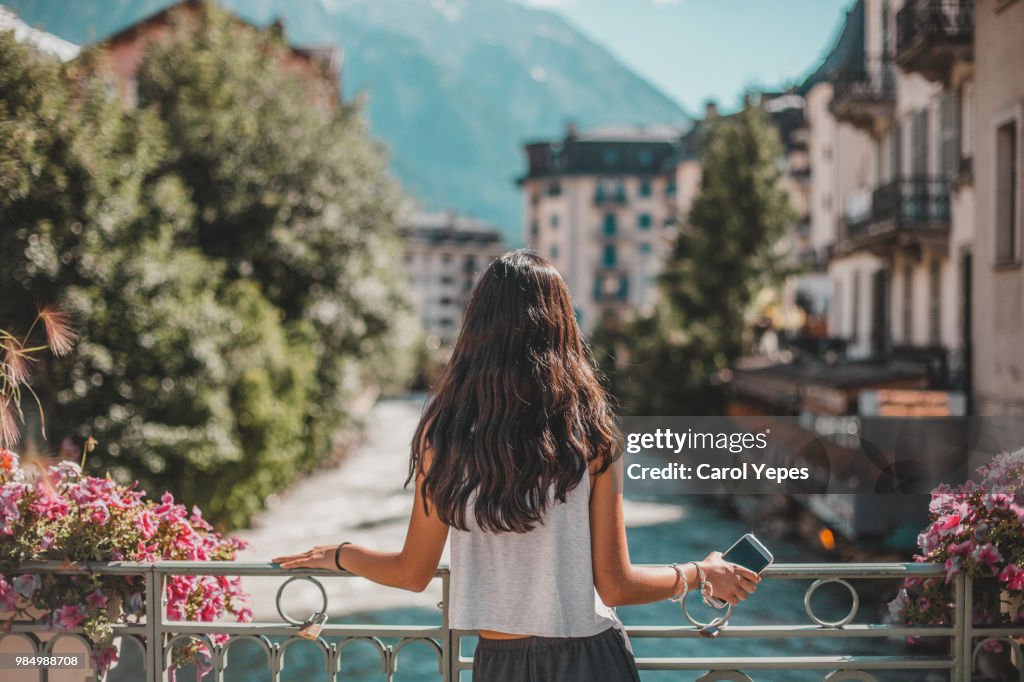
363, 501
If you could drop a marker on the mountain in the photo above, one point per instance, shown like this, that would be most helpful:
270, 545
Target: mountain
456, 86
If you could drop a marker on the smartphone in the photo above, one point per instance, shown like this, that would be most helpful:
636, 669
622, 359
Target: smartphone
747, 552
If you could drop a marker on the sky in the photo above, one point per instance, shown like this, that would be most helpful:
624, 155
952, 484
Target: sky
693, 50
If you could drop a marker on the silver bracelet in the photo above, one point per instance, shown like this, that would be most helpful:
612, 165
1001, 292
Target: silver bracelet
682, 578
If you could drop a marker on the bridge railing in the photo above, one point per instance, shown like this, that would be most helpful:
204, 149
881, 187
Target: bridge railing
156, 636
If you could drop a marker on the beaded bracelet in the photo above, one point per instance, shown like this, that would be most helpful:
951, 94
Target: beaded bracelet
682, 578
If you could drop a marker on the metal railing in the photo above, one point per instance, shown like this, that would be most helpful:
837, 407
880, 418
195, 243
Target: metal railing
923, 21
156, 636
907, 203
870, 77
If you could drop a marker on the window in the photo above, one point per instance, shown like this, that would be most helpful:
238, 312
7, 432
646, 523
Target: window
534, 230
1007, 212
645, 188
855, 307
554, 189
908, 304
446, 258
610, 156
670, 190
935, 302
554, 220
643, 221
609, 256
919, 139
643, 247
610, 227
644, 157
949, 139
623, 287
554, 252
598, 287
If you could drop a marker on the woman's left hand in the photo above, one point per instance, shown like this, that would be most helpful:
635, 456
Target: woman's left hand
321, 556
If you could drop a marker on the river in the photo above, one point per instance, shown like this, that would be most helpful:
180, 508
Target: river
363, 501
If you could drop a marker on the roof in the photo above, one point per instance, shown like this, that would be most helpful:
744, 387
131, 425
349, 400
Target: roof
328, 56
46, 43
450, 222
848, 46
625, 133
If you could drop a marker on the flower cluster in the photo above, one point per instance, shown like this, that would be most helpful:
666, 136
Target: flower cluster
60, 514
976, 529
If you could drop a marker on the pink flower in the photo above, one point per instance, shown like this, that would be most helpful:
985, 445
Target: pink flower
96, 599
953, 565
103, 658
146, 524
1013, 576
47, 541
948, 525
962, 548
99, 513
8, 596
924, 603
68, 617
987, 555
27, 584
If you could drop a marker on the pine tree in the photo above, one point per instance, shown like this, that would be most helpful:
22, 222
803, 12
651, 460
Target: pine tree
725, 252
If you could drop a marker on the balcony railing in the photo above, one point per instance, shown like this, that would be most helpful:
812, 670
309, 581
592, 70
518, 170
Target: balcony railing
604, 196
931, 35
864, 91
155, 636
904, 206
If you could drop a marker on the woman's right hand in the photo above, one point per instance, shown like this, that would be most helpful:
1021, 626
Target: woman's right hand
730, 582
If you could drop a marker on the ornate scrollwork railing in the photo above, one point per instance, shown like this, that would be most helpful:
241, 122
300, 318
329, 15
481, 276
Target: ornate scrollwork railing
965, 640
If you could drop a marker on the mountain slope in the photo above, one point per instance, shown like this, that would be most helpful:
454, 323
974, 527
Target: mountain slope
456, 86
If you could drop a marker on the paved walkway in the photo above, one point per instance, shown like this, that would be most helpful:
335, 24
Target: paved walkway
361, 501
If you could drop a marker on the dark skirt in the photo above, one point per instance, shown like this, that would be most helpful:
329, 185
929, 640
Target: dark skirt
604, 657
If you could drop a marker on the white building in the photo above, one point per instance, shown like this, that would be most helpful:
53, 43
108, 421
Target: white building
444, 253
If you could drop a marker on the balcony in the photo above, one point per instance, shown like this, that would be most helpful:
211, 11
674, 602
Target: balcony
933, 35
864, 93
903, 213
613, 197
147, 644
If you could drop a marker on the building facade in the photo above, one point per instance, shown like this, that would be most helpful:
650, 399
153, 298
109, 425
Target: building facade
891, 124
317, 66
998, 157
600, 206
444, 254
603, 205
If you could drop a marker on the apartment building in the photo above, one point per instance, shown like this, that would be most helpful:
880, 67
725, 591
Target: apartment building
601, 206
997, 151
444, 253
890, 115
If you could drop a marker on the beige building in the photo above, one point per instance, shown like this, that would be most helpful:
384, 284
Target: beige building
998, 157
444, 253
892, 196
600, 205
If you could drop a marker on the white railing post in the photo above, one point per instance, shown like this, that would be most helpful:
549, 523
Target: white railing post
154, 616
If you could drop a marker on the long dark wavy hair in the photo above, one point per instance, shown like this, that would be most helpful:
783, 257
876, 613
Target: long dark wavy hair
519, 410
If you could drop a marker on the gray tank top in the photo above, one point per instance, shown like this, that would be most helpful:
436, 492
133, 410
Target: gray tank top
537, 583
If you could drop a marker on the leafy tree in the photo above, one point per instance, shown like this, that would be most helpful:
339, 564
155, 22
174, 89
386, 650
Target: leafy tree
725, 252
289, 193
221, 332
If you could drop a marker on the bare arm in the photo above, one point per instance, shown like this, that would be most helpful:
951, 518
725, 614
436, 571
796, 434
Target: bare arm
410, 569
620, 583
